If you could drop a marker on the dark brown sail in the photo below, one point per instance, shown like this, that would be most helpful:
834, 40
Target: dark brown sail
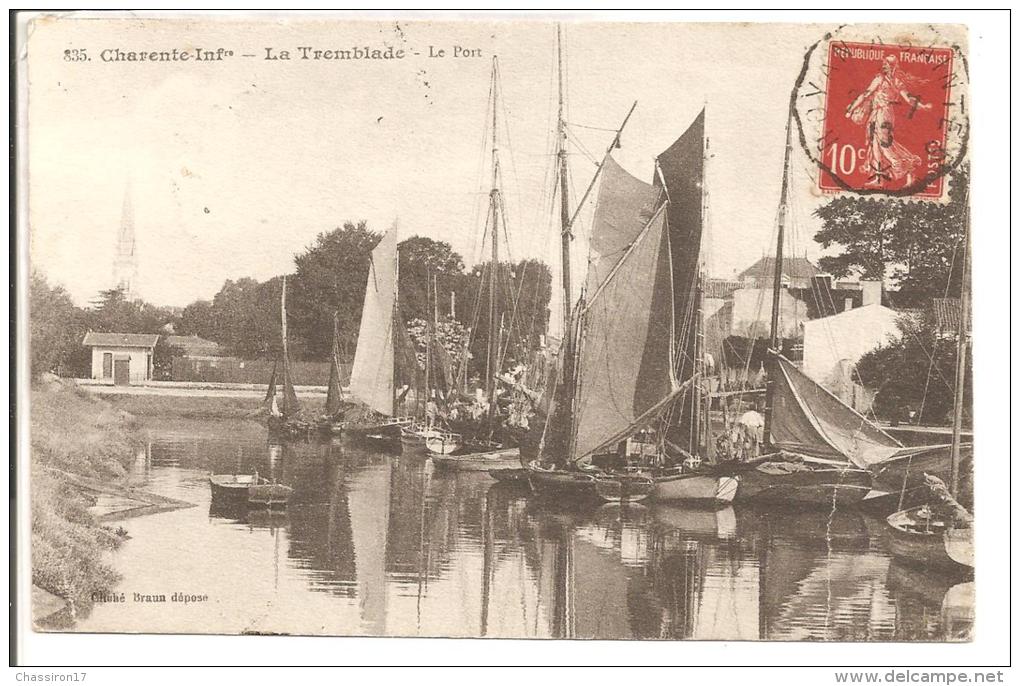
334, 392
808, 420
624, 362
680, 170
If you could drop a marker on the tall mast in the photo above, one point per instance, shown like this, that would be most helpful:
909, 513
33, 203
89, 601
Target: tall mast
423, 406
283, 317
777, 275
494, 201
561, 153
961, 359
395, 317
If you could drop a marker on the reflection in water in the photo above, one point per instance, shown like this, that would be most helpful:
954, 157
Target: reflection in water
381, 545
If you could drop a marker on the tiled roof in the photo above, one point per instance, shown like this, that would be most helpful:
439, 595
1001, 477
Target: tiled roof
193, 345
793, 267
947, 313
120, 340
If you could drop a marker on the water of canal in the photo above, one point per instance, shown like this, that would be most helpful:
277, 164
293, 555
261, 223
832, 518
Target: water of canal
376, 544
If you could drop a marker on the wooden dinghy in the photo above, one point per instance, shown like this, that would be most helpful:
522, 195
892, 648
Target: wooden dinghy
491, 461
239, 489
919, 536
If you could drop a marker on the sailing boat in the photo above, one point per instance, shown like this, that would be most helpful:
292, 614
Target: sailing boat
631, 353
331, 421
282, 407
384, 368
943, 536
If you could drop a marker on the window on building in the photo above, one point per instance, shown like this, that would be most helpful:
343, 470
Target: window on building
107, 365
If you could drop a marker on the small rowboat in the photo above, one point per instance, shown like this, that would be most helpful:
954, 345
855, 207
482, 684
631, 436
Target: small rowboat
918, 536
616, 488
492, 461
236, 489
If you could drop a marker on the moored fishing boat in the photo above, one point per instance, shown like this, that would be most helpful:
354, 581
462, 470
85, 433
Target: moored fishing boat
384, 368
331, 421
282, 408
492, 461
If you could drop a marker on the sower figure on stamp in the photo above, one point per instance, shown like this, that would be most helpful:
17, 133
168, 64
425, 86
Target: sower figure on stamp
886, 159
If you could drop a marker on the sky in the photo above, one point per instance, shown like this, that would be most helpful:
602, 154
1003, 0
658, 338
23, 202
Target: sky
234, 166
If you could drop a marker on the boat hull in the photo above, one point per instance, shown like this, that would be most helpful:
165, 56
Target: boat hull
907, 472
623, 488
230, 489
702, 488
950, 551
819, 486
269, 495
493, 461
385, 435
513, 476
560, 481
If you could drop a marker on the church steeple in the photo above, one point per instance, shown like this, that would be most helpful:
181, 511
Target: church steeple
125, 263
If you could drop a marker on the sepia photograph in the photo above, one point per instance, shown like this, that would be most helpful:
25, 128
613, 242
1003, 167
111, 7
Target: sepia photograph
498, 327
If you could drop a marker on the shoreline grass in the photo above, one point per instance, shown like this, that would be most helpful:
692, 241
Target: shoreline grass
187, 407
74, 432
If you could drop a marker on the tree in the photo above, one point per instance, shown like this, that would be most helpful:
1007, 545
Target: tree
423, 260
55, 327
916, 374
330, 277
914, 244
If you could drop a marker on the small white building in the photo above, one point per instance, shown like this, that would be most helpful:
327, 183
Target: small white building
123, 358
833, 345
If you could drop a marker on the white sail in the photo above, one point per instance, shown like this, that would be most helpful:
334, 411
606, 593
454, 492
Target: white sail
372, 372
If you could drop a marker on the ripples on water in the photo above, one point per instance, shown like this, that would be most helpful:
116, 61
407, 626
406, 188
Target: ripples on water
374, 544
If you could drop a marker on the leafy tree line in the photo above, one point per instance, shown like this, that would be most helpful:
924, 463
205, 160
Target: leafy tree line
913, 246
329, 277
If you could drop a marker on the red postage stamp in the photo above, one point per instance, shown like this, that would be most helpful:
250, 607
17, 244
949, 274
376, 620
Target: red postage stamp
886, 119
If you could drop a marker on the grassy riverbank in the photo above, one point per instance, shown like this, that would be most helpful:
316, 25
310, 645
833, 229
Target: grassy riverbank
73, 433
186, 406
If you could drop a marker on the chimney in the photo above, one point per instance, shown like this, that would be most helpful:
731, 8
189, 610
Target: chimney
871, 293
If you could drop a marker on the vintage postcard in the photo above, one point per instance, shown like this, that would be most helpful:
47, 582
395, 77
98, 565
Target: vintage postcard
508, 328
